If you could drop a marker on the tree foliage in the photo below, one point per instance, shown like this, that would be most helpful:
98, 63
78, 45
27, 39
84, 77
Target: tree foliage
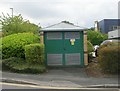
96, 37
16, 24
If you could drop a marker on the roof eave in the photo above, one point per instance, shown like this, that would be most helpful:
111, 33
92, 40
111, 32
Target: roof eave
55, 30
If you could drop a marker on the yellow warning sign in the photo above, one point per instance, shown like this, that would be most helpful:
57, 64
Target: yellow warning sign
72, 41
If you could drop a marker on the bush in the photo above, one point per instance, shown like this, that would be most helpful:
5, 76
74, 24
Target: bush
109, 58
90, 49
13, 45
19, 65
110, 44
96, 37
34, 53
12, 62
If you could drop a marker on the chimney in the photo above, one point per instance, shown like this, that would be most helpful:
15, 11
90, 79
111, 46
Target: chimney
96, 26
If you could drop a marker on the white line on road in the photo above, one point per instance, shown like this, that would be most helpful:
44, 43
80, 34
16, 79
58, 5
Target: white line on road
35, 86
48, 87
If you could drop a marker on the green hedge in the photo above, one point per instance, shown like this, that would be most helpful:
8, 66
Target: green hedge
13, 45
34, 53
19, 65
109, 58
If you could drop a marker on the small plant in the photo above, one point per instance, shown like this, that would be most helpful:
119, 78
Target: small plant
90, 49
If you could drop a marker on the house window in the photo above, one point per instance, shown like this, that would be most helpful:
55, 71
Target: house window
54, 35
72, 35
116, 27
110, 28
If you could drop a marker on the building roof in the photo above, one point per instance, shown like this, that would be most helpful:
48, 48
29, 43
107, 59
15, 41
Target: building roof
63, 26
110, 20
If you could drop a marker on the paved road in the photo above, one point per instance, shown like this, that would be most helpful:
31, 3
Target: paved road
76, 76
66, 77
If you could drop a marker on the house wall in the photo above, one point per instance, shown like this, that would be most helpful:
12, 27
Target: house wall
106, 25
101, 26
41, 37
85, 49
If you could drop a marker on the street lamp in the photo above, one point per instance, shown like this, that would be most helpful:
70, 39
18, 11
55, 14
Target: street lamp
12, 11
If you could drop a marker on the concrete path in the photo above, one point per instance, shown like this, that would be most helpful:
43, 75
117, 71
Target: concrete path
61, 77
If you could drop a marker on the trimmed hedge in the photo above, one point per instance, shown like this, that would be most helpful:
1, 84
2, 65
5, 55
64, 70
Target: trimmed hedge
19, 65
109, 58
34, 53
13, 45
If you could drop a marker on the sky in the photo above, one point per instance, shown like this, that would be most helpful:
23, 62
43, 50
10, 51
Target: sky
48, 12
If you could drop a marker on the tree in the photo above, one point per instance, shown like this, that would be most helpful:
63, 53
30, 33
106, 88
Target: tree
96, 37
16, 24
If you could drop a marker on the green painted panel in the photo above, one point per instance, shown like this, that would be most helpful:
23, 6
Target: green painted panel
54, 45
72, 48
63, 46
82, 48
75, 48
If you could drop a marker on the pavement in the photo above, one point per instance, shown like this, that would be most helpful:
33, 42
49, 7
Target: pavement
61, 77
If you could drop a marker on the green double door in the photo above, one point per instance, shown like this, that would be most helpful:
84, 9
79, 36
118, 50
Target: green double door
64, 48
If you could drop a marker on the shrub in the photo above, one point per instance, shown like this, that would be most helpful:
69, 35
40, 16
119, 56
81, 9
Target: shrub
19, 65
96, 37
12, 62
34, 53
109, 58
13, 45
90, 49
110, 44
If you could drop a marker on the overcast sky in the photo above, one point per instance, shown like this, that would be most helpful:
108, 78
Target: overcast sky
48, 12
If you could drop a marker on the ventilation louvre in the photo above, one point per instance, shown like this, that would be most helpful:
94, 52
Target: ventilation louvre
72, 59
54, 59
